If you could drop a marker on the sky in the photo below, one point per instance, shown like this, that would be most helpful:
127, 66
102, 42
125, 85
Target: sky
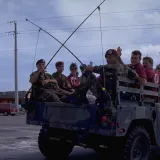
130, 24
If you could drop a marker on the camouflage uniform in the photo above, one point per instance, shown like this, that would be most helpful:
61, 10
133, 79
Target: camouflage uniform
62, 81
87, 80
109, 73
87, 83
114, 69
44, 92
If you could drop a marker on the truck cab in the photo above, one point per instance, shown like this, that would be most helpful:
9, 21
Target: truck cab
126, 124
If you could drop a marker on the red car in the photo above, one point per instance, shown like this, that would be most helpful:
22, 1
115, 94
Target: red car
8, 109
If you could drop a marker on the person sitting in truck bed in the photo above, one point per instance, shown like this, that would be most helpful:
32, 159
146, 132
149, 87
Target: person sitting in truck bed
73, 78
39, 79
62, 79
152, 75
158, 71
114, 66
137, 66
87, 86
158, 68
114, 61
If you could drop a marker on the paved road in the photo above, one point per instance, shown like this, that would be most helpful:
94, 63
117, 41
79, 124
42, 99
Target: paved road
18, 141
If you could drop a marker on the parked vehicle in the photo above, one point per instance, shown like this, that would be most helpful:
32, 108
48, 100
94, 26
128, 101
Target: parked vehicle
8, 109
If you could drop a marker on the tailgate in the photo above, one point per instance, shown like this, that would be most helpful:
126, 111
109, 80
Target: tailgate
61, 115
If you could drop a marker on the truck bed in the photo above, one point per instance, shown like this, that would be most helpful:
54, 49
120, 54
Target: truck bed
62, 115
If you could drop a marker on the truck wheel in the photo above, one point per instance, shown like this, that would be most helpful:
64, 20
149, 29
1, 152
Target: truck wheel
5, 114
138, 145
51, 148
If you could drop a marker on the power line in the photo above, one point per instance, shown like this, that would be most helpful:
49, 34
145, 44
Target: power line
96, 30
114, 26
85, 28
4, 36
87, 46
81, 15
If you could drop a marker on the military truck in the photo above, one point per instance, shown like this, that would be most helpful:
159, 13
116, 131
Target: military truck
127, 125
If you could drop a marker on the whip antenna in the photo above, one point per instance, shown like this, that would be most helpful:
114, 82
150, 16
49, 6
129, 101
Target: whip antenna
36, 49
100, 20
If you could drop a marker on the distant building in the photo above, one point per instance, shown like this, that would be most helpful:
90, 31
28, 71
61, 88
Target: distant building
9, 97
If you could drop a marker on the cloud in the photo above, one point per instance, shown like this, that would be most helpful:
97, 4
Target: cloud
124, 23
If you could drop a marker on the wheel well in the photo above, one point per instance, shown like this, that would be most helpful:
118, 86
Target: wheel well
147, 124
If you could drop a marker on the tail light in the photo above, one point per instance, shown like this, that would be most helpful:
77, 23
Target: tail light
104, 120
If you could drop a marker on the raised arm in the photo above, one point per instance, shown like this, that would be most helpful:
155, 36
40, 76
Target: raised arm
34, 77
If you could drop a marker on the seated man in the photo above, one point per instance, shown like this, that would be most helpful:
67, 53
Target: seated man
152, 75
88, 87
137, 66
158, 71
114, 67
62, 79
39, 79
158, 68
73, 78
113, 62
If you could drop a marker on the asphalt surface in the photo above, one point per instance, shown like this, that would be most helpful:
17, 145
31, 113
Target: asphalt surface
18, 141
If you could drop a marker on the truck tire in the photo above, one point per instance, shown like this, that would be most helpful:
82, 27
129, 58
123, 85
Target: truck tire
51, 148
5, 114
138, 145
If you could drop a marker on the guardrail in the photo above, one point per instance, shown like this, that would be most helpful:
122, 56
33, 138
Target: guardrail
129, 86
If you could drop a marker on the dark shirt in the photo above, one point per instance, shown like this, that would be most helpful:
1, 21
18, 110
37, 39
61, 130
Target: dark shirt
114, 69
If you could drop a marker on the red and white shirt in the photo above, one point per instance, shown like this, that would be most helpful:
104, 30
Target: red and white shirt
74, 81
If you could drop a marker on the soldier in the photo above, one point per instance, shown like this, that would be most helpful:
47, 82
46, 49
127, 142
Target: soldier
62, 79
114, 67
114, 63
39, 80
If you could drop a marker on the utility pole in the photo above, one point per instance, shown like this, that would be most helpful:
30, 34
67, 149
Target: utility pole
16, 67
